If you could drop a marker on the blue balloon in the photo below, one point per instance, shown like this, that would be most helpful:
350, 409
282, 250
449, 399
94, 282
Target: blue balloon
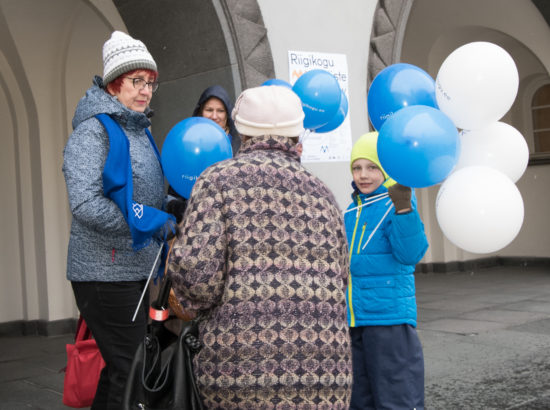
320, 94
275, 81
338, 118
398, 86
418, 146
191, 146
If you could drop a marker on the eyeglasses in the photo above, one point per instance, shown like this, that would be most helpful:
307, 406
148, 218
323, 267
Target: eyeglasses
140, 84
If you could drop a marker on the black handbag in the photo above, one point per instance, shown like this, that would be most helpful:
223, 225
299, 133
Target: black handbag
161, 376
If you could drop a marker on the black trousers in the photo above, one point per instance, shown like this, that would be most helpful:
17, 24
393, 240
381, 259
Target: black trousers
108, 308
388, 368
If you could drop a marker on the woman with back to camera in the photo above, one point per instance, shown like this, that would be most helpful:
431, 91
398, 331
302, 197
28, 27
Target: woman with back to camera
115, 187
262, 257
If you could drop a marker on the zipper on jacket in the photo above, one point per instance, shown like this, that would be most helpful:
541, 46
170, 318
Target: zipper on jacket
361, 238
351, 314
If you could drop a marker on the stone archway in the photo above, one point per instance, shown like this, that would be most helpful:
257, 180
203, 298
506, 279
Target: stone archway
250, 35
388, 28
196, 44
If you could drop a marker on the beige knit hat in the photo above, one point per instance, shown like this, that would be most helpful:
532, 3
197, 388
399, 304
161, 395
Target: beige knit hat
269, 110
122, 53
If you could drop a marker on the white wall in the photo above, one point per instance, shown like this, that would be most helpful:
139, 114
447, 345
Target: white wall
329, 27
57, 45
11, 290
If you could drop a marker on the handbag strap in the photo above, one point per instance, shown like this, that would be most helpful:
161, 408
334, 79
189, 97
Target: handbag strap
175, 306
82, 330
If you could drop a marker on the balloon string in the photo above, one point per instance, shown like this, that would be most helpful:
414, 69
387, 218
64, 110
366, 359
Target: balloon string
377, 226
369, 201
305, 133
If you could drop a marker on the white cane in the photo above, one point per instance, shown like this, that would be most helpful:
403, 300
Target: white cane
148, 280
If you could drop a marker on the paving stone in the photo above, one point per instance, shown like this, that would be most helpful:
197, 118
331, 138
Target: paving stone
485, 336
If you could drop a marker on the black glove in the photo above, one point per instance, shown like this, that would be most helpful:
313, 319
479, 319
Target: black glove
167, 231
401, 197
172, 233
177, 207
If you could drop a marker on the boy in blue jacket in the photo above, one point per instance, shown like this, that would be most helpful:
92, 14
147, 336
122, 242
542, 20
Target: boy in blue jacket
387, 239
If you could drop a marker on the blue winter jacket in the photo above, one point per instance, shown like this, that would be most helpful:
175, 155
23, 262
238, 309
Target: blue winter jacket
381, 290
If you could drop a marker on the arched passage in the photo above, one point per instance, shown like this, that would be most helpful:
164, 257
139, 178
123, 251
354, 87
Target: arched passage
49, 52
424, 33
198, 43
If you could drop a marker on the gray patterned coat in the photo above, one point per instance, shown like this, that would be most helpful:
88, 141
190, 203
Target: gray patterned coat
263, 251
100, 245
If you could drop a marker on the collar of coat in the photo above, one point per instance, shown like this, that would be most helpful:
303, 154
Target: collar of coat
270, 142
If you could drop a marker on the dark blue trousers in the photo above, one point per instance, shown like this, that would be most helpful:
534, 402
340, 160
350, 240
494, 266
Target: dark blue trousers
108, 308
388, 368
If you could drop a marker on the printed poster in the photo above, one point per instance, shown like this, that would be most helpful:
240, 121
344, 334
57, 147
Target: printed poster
334, 145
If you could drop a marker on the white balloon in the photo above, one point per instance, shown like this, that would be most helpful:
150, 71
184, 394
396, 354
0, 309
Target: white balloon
479, 209
476, 84
498, 145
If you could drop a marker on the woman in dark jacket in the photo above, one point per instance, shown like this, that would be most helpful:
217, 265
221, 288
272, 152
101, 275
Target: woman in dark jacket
215, 104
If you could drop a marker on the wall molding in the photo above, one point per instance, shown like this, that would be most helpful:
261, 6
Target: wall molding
386, 40
480, 264
248, 31
38, 327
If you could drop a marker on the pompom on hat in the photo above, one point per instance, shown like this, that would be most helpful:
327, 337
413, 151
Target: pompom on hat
269, 110
366, 147
122, 53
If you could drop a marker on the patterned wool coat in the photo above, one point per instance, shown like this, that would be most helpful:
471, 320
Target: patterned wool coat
263, 252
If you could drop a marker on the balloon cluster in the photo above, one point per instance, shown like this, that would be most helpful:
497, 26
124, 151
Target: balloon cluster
478, 206
417, 143
195, 143
324, 103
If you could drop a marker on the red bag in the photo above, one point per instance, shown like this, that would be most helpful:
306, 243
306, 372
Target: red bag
84, 364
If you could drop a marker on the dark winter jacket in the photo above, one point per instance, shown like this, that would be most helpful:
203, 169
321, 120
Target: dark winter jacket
221, 94
100, 244
263, 253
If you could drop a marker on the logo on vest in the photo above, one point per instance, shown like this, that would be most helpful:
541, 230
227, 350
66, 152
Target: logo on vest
138, 210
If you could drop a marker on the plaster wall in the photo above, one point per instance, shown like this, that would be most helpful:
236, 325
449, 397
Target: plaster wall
48, 68
330, 27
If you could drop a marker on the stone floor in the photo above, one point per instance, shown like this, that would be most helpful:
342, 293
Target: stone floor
485, 334
486, 338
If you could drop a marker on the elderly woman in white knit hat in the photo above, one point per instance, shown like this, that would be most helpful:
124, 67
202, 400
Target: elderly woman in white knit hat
115, 186
262, 254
